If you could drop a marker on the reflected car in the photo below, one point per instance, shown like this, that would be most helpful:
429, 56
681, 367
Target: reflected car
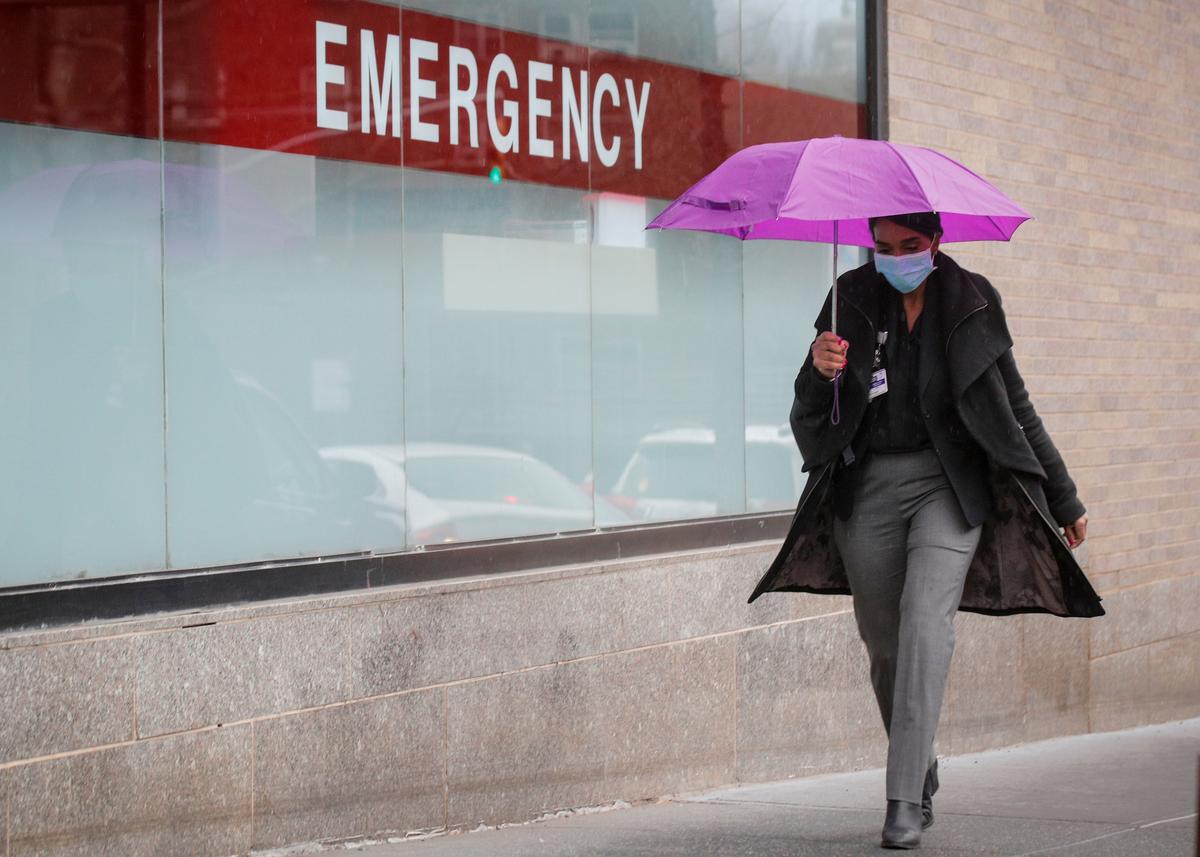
675, 474
266, 484
774, 469
378, 479
483, 492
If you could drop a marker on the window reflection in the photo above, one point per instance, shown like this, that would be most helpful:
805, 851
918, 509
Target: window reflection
497, 377
667, 371
85, 66
81, 379
811, 45
675, 474
784, 286
701, 34
284, 324
458, 492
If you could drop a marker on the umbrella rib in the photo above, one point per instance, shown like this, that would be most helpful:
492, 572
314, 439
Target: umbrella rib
795, 170
964, 167
916, 181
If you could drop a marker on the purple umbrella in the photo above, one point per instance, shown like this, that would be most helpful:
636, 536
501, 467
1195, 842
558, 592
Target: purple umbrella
826, 189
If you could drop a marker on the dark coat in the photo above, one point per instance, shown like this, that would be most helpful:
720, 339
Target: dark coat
978, 405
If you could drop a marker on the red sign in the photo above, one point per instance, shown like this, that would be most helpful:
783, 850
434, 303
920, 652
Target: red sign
363, 81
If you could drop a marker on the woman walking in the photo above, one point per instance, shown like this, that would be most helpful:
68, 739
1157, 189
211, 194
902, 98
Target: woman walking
934, 488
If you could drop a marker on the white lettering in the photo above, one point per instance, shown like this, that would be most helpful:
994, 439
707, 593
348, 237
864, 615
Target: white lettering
463, 99
575, 111
539, 108
585, 102
328, 73
420, 89
377, 100
608, 154
510, 140
638, 114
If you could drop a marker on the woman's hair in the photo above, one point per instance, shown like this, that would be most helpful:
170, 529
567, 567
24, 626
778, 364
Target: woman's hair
928, 223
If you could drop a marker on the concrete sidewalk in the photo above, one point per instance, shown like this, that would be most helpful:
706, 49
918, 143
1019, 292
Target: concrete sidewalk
1114, 794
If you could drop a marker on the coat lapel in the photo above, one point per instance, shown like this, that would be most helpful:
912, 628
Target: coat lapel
858, 301
859, 294
932, 334
971, 338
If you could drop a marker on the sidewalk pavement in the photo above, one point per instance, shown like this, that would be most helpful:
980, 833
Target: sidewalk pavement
1113, 794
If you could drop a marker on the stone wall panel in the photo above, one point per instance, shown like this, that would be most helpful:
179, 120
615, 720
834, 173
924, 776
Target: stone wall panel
622, 726
410, 642
354, 770
182, 796
230, 671
58, 698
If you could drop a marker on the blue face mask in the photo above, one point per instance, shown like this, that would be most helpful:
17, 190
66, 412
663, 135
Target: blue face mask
905, 273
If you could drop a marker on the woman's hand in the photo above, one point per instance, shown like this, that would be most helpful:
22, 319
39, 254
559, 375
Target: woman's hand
829, 354
1076, 532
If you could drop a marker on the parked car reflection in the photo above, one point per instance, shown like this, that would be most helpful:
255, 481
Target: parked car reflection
280, 484
459, 492
674, 474
377, 478
273, 486
774, 468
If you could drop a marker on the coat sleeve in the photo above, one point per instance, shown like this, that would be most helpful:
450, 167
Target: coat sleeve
813, 396
1061, 496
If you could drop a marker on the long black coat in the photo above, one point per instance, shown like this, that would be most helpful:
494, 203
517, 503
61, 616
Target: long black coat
1022, 564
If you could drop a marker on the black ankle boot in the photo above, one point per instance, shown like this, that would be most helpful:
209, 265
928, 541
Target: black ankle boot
902, 827
931, 786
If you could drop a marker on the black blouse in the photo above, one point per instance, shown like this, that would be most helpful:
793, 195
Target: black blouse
894, 418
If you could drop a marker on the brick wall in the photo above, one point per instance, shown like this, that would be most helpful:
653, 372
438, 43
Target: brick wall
1087, 113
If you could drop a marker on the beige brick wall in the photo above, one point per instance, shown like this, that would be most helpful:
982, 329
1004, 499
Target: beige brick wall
1087, 113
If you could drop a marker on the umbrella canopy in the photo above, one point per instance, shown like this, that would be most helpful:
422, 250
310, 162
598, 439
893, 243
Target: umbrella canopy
825, 189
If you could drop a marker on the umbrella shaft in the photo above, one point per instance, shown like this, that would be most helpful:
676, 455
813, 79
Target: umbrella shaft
835, 254
835, 416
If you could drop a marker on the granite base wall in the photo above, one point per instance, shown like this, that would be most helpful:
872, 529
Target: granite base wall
438, 707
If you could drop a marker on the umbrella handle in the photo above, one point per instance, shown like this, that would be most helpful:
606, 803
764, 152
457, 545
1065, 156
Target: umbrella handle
835, 416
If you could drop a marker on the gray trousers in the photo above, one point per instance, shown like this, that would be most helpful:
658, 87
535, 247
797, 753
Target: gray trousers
907, 548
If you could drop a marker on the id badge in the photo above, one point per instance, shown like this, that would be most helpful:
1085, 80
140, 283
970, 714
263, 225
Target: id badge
878, 383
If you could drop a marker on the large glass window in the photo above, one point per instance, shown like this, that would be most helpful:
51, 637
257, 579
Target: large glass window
284, 345
668, 351
815, 46
81, 376
497, 380
785, 284
381, 280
